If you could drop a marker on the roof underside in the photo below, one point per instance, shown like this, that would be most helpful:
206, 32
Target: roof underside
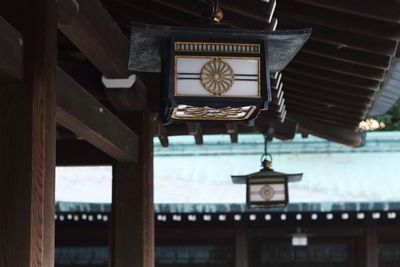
327, 89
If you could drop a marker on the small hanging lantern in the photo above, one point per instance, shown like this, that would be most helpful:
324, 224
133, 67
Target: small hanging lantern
212, 73
299, 238
267, 188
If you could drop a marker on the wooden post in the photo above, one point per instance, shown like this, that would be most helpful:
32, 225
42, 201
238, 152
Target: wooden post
27, 140
371, 249
241, 246
132, 230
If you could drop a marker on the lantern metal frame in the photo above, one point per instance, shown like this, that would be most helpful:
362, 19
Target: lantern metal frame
171, 100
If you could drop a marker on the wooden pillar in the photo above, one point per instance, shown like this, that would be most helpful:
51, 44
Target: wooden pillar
132, 230
241, 246
371, 243
27, 140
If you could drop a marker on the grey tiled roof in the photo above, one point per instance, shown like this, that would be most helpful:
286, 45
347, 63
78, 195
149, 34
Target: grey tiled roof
238, 208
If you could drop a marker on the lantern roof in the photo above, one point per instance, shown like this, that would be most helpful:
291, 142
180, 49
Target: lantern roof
267, 174
146, 51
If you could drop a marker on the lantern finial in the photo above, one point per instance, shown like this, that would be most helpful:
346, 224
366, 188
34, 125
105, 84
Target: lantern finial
214, 14
266, 164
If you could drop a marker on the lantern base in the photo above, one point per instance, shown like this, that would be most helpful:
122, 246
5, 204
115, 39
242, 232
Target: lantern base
191, 113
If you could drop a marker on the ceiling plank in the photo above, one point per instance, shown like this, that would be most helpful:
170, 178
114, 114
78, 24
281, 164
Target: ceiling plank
330, 86
82, 114
347, 54
388, 11
325, 97
344, 39
340, 66
304, 14
341, 78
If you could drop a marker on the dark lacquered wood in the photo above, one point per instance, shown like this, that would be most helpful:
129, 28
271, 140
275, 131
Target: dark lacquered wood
11, 52
132, 230
27, 140
80, 153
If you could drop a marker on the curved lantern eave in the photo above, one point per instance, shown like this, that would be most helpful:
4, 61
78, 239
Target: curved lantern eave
291, 177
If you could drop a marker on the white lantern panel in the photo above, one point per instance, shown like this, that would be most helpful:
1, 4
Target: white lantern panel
217, 76
267, 192
299, 240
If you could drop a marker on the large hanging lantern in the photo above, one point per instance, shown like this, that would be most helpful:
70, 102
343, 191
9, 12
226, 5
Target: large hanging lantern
212, 73
267, 188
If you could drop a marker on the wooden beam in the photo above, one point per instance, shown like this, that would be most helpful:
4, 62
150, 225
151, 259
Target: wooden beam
128, 99
82, 114
80, 153
330, 132
11, 53
195, 129
28, 139
98, 37
132, 228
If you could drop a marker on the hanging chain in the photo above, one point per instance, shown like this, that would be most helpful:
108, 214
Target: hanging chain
266, 158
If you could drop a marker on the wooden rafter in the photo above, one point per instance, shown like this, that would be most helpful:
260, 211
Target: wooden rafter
233, 130
334, 133
390, 11
195, 129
